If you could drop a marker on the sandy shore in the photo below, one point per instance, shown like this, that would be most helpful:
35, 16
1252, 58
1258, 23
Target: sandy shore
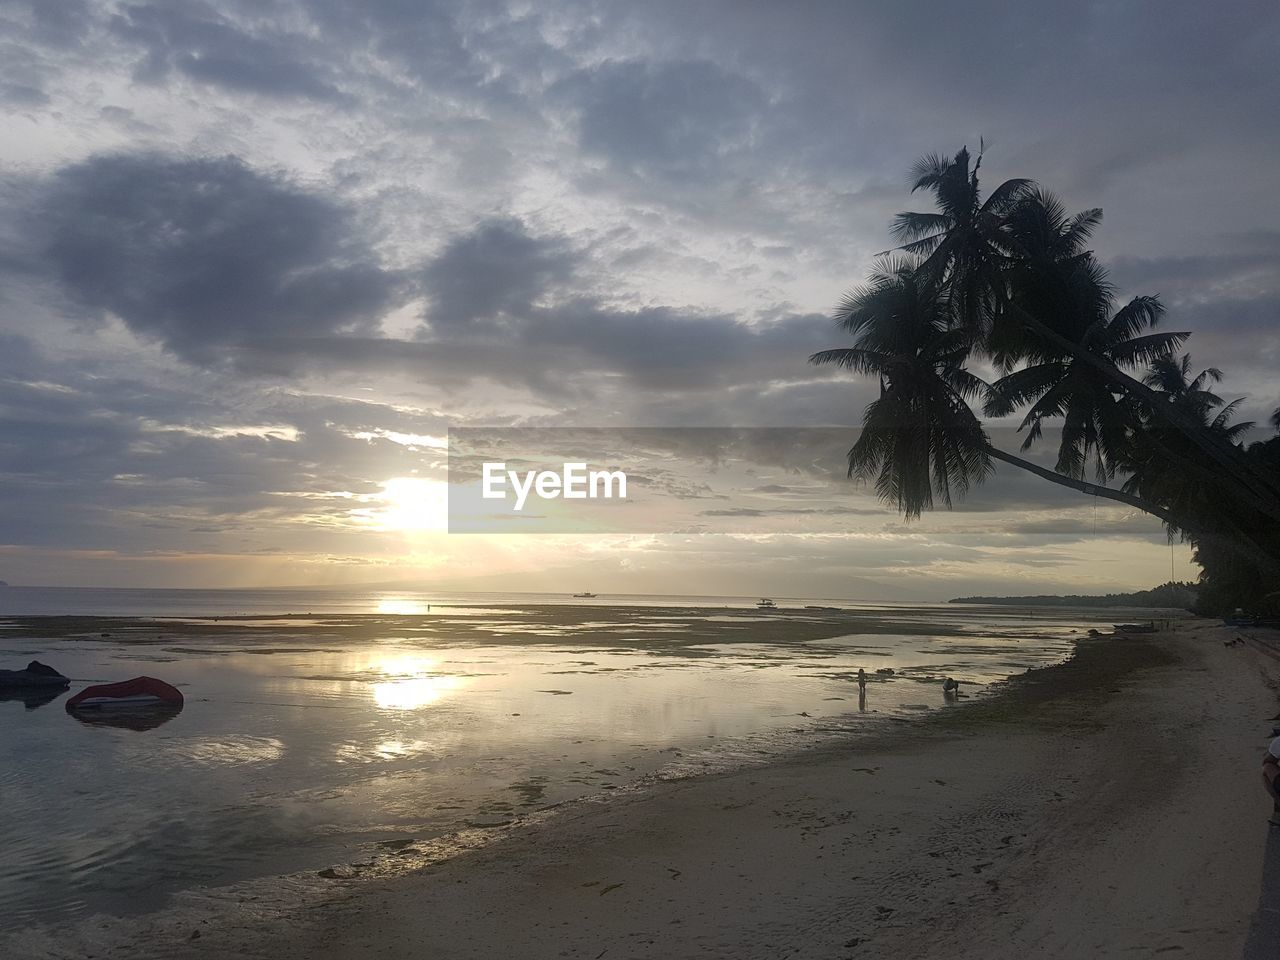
1106, 808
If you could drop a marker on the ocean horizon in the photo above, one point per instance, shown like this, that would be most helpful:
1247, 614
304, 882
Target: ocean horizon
376, 599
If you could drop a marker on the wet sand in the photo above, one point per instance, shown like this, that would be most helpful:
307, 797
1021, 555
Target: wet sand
1109, 807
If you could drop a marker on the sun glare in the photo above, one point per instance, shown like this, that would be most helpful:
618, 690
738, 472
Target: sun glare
412, 693
397, 607
410, 683
410, 503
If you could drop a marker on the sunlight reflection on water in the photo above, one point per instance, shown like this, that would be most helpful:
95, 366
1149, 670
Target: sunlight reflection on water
414, 692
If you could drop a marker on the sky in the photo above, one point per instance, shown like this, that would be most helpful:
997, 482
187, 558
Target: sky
259, 256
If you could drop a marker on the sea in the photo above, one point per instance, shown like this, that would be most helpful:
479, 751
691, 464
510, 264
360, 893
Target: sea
342, 729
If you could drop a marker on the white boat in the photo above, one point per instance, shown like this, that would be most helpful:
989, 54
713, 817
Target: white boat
766, 604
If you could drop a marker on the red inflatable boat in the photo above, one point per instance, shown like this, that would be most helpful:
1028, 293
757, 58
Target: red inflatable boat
138, 692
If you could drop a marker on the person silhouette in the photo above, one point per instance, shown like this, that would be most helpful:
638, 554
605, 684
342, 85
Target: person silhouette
1271, 778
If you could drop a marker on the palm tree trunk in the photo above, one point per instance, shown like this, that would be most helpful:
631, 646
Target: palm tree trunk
1238, 540
1249, 484
1092, 489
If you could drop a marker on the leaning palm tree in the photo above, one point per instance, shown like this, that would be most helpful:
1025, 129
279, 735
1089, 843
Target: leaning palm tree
1074, 293
1162, 464
920, 437
963, 242
921, 442
1009, 279
1003, 261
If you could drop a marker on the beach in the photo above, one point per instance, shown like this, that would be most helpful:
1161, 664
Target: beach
318, 740
1106, 807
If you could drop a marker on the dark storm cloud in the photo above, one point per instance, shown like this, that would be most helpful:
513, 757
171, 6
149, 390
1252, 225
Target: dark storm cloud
1230, 299
28, 28
202, 254
422, 38
55, 23
494, 270
196, 40
22, 78
503, 306
500, 271
661, 348
667, 120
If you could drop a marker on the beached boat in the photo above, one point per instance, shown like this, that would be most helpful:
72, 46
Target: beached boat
138, 693
1135, 627
766, 604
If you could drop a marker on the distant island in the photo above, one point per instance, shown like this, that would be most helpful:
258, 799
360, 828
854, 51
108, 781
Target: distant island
3, 584
1172, 594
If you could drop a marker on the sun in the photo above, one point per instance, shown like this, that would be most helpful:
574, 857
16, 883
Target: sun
411, 503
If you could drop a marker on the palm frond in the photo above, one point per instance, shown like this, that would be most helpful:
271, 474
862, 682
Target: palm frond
1205, 376
1145, 349
1004, 197
853, 358
1080, 228
908, 226
1140, 313
929, 170
1016, 389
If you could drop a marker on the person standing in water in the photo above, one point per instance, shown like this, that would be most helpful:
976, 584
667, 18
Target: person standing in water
1270, 773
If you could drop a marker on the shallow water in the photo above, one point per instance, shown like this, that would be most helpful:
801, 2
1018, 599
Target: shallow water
322, 740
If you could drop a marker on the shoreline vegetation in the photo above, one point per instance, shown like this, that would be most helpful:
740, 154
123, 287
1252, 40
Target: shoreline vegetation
1173, 595
1011, 827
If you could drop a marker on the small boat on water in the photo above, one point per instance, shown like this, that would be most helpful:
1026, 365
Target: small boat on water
585, 596
766, 604
36, 675
138, 693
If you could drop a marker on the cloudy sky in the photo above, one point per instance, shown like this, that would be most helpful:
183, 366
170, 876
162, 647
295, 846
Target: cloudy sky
260, 255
